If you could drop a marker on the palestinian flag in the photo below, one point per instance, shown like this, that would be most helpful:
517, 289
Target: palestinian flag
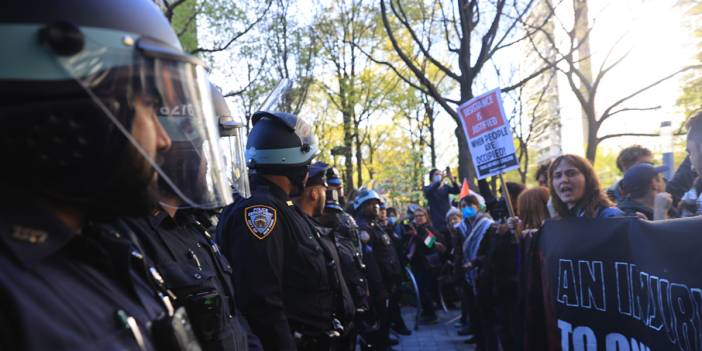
430, 240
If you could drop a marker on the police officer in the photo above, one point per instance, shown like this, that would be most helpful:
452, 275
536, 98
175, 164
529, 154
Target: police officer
311, 205
334, 183
81, 83
280, 269
175, 234
379, 246
344, 230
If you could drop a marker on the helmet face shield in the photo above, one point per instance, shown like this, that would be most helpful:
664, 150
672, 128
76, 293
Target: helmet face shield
234, 158
177, 94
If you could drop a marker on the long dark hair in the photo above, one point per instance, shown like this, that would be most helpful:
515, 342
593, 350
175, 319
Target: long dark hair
593, 197
532, 207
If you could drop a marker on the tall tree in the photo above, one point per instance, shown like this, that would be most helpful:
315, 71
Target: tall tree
472, 31
691, 98
585, 85
357, 90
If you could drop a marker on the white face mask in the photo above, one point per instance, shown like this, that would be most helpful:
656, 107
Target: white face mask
436, 178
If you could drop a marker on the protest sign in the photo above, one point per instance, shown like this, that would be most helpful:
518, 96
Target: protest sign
489, 134
618, 285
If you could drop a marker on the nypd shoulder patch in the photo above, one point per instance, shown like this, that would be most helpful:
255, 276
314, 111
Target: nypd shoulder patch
261, 220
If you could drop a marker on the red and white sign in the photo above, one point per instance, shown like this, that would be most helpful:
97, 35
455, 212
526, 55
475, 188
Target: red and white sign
489, 134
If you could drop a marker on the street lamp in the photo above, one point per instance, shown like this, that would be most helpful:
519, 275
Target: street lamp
667, 148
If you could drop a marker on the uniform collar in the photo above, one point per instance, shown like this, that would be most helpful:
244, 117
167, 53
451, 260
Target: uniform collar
261, 183
32, 233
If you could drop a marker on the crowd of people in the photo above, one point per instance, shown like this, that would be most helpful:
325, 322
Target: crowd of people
119, 230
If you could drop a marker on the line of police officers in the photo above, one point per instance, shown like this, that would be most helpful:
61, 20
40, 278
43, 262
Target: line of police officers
112, 173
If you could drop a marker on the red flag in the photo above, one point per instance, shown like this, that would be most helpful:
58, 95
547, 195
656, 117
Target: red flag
465, 189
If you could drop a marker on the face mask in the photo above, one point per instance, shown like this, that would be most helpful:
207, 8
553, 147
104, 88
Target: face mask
392, 220
469, 212
437, 178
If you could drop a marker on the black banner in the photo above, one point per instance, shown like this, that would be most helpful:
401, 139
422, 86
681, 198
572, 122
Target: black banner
619, 285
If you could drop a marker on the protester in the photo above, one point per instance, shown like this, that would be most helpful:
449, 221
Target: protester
391, 214
533, 212
644, 195
682, 182
575, 189
541, 175
479, 222
424, 249
498, 207
627, 158
691, 199
457, 232
437, 195
533, 209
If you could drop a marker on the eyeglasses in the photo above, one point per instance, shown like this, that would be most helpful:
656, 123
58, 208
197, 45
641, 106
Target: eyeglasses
420, 215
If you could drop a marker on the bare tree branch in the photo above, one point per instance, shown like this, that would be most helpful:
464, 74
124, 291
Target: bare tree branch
433, 91
237, 35
608, 112
402, 17
610, 136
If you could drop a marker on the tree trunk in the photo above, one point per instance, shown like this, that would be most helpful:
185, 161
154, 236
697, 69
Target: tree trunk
592, 143
348, 152
582, 27
466, 170
359, 157
429, 113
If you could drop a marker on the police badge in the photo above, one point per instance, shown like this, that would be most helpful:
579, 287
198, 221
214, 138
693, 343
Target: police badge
261, 220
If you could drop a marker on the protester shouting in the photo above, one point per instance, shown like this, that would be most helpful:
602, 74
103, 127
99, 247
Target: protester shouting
575, 189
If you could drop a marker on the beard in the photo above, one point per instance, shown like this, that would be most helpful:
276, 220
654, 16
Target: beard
133, 192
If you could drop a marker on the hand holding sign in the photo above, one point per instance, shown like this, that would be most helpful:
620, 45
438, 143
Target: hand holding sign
489, 134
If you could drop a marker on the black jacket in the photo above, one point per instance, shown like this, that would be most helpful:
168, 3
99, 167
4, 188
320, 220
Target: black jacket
280, 267
60, 290
196, 271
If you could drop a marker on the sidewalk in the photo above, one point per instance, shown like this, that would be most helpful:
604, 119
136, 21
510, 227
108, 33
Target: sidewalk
439, 336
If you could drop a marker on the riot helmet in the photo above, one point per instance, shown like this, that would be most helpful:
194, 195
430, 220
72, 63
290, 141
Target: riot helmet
233, 136
281, 144
365, 195
85, 88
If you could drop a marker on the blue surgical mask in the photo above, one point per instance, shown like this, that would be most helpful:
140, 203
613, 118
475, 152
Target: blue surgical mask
469, 212
437, 178
392, 220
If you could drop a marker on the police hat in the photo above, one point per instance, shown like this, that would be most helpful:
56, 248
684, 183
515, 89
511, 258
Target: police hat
317, 174
333, 177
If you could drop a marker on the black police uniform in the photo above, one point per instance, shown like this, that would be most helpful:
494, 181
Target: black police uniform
385, 252
344, 232
197, 273
384, 257
62, 290
345, 307
342, 229
280, 269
